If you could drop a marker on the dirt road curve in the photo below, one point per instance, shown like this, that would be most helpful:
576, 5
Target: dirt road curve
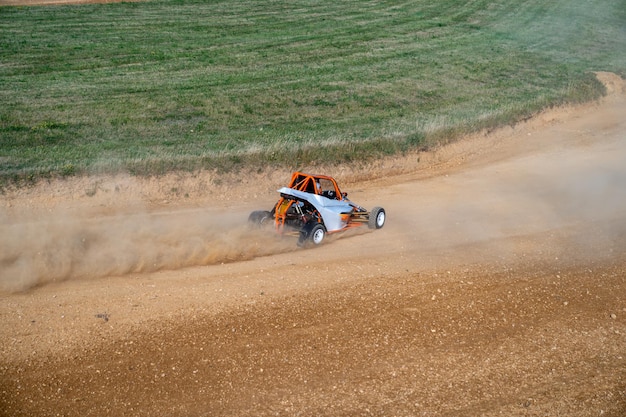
497, 287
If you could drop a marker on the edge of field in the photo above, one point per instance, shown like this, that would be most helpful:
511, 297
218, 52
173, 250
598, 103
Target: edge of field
222, 189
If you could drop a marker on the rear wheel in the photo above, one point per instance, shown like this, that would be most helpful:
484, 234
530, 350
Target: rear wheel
313, 234
259, 218
377, 218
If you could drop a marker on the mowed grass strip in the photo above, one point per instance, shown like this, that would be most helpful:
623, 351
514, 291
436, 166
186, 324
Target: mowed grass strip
156, 86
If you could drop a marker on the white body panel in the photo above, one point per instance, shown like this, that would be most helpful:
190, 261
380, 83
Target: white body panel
329, 209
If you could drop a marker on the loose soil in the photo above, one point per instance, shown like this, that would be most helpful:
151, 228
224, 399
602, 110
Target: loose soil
497, 287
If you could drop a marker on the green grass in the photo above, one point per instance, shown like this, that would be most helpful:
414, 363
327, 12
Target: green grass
184, 85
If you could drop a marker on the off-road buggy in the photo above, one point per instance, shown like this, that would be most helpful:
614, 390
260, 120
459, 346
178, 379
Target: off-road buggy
312, 206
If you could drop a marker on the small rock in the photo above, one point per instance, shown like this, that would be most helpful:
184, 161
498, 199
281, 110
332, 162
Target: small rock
613, 316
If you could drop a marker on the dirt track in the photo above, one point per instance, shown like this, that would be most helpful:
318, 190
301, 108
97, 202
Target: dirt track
497, 287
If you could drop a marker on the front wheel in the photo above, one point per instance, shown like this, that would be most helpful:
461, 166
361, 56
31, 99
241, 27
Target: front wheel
377, 218
312, 233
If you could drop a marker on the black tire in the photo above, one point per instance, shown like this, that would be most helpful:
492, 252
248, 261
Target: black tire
259, 218
377, 218
312, 234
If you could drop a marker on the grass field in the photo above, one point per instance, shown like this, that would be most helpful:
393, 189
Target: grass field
156, 86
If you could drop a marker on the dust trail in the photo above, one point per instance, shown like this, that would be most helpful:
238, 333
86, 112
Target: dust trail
571, 200
59, 246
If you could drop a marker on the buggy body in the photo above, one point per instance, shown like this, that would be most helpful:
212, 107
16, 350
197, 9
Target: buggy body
312, 206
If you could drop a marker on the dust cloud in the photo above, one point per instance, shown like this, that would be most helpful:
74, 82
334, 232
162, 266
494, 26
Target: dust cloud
572, 194
59, 246
570, 201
